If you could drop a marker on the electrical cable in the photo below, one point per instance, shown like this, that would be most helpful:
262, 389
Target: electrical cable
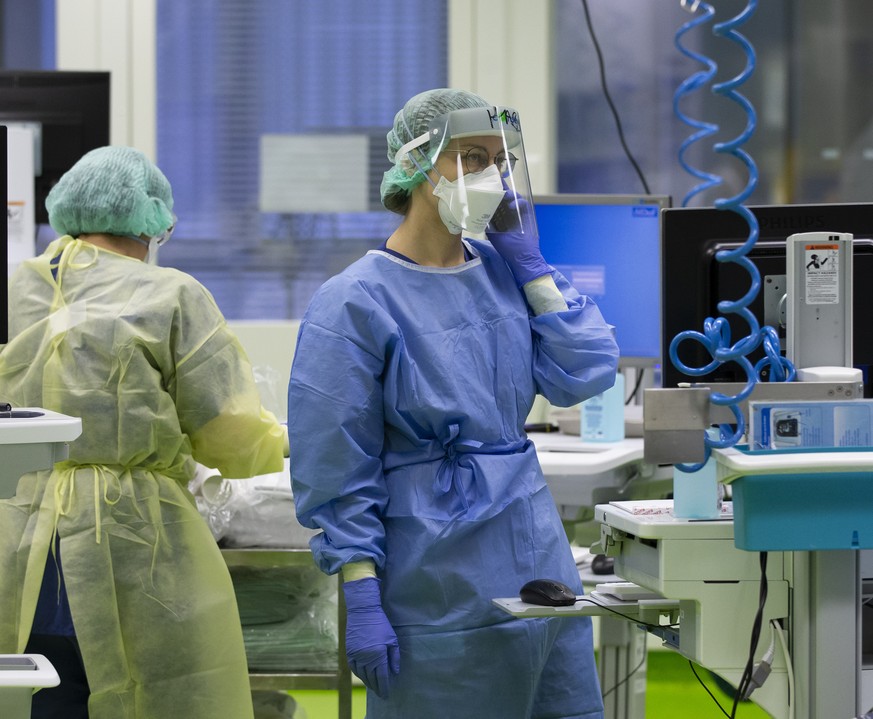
625, 616
623, 681
788, 665
609, 101
743, 686
708, 691
715, 337
762, 669
637, 384
603, 84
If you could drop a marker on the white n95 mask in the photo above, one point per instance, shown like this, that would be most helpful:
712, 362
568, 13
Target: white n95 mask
469, 202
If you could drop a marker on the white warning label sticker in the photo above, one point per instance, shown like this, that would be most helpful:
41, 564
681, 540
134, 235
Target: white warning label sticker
822, 274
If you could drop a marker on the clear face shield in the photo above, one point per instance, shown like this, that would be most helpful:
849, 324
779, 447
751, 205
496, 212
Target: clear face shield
492, 191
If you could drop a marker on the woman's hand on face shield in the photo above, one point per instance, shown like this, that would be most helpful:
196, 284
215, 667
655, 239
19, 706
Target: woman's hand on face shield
520, 249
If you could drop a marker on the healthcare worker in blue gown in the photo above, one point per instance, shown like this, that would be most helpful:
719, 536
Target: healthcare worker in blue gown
415, 370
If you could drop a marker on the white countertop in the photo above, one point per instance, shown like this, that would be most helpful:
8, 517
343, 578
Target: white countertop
16, 427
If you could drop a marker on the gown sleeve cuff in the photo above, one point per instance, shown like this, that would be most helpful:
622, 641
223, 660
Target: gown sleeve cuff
543, 295
359, 570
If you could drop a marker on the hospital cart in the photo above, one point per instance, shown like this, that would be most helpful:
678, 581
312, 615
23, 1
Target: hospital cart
30, 439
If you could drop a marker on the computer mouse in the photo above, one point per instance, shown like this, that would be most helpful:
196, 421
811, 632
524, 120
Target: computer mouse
548, 593
601, 564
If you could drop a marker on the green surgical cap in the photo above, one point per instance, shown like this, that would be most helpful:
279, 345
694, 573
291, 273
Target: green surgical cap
411, 122
114, 190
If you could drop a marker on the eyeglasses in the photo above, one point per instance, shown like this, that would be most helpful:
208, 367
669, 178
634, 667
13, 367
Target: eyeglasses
477, 159
166, 234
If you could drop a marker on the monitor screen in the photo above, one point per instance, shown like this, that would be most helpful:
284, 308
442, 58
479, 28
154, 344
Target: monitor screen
69, 113
608, 247
694, 281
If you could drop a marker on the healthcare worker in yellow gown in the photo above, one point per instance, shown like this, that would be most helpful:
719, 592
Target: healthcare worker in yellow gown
109, 543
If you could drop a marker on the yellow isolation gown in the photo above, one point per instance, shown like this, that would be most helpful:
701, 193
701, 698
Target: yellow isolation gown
143, 355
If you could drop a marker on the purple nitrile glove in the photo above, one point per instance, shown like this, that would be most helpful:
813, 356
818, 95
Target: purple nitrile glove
371, 644
520, 249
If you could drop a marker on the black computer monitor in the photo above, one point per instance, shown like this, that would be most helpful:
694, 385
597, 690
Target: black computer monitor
70, 114
694, 281
608, 247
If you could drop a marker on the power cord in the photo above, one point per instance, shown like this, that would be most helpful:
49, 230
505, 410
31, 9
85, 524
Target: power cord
707, 689
637, 385
777, 629
629, 675
609, 101
762, 669
587, 600
603, 84
746, 677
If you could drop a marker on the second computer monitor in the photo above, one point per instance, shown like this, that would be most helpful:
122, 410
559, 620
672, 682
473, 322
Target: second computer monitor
608, 247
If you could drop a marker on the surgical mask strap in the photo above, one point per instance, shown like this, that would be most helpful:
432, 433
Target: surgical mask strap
153, 243
141, 241
152, 256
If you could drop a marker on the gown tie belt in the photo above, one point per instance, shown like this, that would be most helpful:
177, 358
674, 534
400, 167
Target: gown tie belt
453, 471
107, 489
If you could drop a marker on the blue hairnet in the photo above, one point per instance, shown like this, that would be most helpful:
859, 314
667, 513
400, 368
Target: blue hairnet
115, 190
411, 122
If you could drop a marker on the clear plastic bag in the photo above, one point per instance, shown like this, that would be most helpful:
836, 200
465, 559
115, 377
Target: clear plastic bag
276, 705
288, 616
257, 512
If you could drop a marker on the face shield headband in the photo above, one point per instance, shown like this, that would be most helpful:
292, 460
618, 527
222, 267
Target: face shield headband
477, 168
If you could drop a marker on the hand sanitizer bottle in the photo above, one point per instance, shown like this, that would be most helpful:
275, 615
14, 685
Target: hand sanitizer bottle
602, 416
698, 495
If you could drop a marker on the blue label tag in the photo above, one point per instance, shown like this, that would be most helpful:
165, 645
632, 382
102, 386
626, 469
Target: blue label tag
765, 428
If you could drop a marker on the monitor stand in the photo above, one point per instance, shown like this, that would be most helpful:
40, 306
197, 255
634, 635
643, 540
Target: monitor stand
30, 439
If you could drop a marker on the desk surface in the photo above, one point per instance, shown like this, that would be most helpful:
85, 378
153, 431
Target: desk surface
47, 427
582, 474
567, 454
660, 523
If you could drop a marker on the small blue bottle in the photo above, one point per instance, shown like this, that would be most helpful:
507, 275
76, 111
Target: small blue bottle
602, 416
698, 495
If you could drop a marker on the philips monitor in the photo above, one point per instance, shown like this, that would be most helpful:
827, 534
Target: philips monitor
68, 113
608, 247
694, 282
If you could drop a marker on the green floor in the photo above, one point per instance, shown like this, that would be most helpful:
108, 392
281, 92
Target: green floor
672, 692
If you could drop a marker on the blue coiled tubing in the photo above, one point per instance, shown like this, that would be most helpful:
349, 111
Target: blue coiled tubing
715, 337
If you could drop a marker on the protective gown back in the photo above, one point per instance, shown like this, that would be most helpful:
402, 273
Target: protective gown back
142, 354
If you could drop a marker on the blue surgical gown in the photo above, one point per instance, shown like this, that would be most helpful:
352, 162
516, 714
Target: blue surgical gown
407, 401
